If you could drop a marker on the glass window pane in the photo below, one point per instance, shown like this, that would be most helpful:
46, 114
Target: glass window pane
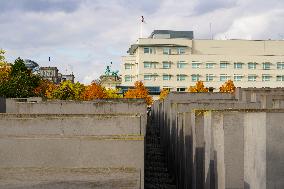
147, 77
166, 65
181, 50
252, 65
209, 65
166, 51
209, 77
195, 77
238, 65
166, 77
251, 77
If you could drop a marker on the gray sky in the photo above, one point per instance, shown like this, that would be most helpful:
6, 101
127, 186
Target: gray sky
84, 36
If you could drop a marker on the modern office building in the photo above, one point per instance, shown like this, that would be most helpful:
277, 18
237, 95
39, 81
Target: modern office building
175, 60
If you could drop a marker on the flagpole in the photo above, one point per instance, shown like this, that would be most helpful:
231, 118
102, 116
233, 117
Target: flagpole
141, 29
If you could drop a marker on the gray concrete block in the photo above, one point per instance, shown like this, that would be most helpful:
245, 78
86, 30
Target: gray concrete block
71, 178
246, 148
105, 106
72, 125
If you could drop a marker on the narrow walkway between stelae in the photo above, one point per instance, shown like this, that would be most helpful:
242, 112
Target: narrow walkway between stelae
156, 172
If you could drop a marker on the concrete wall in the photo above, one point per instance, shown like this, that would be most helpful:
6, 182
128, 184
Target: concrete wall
246, 148
72, 125
171, 133
104, 137
195, 142
77, 107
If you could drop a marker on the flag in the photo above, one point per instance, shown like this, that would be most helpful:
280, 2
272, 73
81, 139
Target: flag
143, 20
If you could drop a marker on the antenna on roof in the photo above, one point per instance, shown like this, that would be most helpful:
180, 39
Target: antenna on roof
211, 35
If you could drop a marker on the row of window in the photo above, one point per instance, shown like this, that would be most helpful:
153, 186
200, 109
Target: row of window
166, 50
209, 77
182, 64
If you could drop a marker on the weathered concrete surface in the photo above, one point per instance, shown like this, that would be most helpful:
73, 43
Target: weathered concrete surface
275, 101
71, 178
73, 137
246, 149
193, 150
107, 106
174, 136
254, 94
54, 151
72, 125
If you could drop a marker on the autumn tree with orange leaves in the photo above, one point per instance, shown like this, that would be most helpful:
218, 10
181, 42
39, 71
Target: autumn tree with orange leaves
198, 88
164, 93
228, 87
139, 91
45, 89
94, 91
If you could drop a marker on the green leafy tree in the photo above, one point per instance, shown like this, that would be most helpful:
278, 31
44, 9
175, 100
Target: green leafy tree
68, 91
113, 93
21, 82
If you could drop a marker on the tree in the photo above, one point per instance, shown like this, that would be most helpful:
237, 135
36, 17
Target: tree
68, 91
139, 91
228, 87
4, 68
113, 93
2, 57
20, 83
94, 91
164, 93
198, 88
4, 74
45, 89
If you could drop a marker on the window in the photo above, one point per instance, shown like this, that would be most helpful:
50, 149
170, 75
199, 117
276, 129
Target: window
238, 65
238, 77
127, 78
166, 77
266, 77
181, 64
224, 64
224, 77
147, 65
252, 65
181, 89
181, 77
251, 77
209, 65
147, 77
127, 66
209, 77
266, 65
280, 78
181, 50
148, 50
166, 51
195, 64
194, 77
166, 65
280, 65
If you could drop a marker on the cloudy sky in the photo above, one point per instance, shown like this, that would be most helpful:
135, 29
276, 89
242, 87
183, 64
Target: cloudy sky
84, 36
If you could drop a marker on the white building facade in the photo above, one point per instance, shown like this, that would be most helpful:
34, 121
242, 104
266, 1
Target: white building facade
174, 60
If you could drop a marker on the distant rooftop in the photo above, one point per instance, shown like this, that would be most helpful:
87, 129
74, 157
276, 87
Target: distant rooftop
171, 34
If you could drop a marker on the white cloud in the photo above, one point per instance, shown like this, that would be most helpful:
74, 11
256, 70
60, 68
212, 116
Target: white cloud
91, 33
